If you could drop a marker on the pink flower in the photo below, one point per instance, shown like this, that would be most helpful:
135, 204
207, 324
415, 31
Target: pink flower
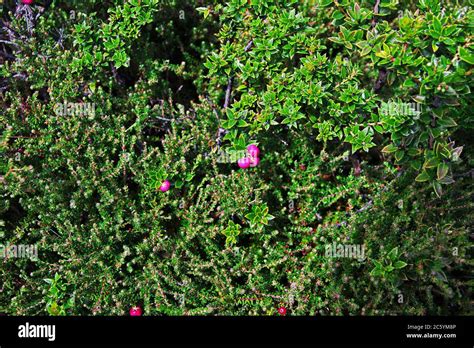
27, 2
135, 311
244, 162
254, 161
282, 310
253, 151
165, 186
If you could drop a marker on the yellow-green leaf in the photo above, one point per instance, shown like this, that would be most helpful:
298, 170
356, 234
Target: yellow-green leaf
423, 176
466, 55
442, 170
390, 148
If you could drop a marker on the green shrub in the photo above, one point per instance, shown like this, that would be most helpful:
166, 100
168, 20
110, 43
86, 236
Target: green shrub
345, 75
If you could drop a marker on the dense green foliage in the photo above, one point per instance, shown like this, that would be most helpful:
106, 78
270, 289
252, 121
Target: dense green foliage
362, 115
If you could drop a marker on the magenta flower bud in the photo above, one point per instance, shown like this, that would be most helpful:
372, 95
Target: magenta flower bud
244, 162
135, 311
165, 186
253, 150
254, 161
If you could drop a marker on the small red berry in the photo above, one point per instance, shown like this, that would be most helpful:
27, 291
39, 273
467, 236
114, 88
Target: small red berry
165, 186
27, 2
282, 310
135, 311
254, 161
244, 162
253, 150
326, 177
